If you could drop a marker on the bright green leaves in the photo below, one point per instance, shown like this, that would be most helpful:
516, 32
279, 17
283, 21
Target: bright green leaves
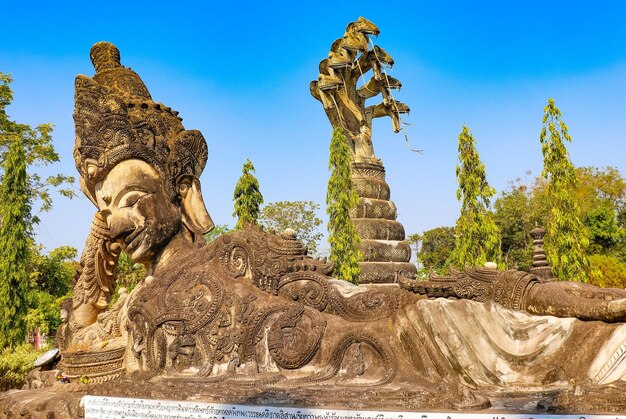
567, 239
15, 210
435, 248
340, 198
247, 197
301, 216
477, 236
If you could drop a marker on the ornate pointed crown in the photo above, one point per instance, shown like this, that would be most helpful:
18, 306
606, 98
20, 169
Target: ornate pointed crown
116, 120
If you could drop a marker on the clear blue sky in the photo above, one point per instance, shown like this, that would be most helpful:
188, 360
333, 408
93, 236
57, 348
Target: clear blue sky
240, 73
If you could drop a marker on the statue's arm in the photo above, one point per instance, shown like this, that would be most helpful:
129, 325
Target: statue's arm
575, 299
519, 290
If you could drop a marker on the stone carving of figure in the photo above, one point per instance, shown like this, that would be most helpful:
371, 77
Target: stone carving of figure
253, 305
349, 59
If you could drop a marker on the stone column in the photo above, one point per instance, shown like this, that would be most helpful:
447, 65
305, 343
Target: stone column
541, 268
382, 237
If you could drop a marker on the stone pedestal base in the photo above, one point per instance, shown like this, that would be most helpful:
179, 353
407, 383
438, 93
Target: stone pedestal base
382, 237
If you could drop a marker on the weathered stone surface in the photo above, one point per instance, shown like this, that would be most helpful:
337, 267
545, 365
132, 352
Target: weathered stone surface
584, 397
379, 229
541, 267
374, 208
372, 170
524, 291
384, 272
43, 403
371, 188
385, 251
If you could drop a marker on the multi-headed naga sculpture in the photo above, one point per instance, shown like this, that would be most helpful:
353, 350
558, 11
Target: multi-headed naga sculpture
250, 318
349, 61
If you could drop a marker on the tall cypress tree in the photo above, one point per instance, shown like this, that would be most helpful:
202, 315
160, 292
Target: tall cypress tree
567, 239
15, 210
477, 236
20, 146
340, 199
247, 197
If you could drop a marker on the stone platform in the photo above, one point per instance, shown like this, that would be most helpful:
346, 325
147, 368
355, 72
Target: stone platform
66, 400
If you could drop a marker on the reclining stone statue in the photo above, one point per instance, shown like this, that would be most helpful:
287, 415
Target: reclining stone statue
252, 307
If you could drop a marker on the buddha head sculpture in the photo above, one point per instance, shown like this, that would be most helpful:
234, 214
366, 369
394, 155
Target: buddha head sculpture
136, 161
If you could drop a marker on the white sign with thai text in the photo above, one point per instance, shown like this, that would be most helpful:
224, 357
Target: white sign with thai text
97, 407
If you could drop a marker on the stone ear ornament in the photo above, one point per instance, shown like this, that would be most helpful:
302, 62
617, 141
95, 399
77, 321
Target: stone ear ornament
195, 215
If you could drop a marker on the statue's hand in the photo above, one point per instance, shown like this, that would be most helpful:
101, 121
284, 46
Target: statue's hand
616, 310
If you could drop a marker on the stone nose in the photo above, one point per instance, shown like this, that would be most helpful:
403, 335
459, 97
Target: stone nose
118, 225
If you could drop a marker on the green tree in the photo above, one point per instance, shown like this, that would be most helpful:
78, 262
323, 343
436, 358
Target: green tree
15, 231
39, 151
340, 198
414, 240
599, 186
512, 216
607, 272
516, 212
604, 232
436, 247
567, 239
600, 195
298, 215
477, 236
22, 146
53, 273
50, 282
247, 197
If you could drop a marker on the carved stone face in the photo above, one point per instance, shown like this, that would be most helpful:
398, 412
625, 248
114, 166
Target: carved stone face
63, 315
133, 202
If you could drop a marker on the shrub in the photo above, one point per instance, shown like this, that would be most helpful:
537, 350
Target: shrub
607, 272
16, 363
